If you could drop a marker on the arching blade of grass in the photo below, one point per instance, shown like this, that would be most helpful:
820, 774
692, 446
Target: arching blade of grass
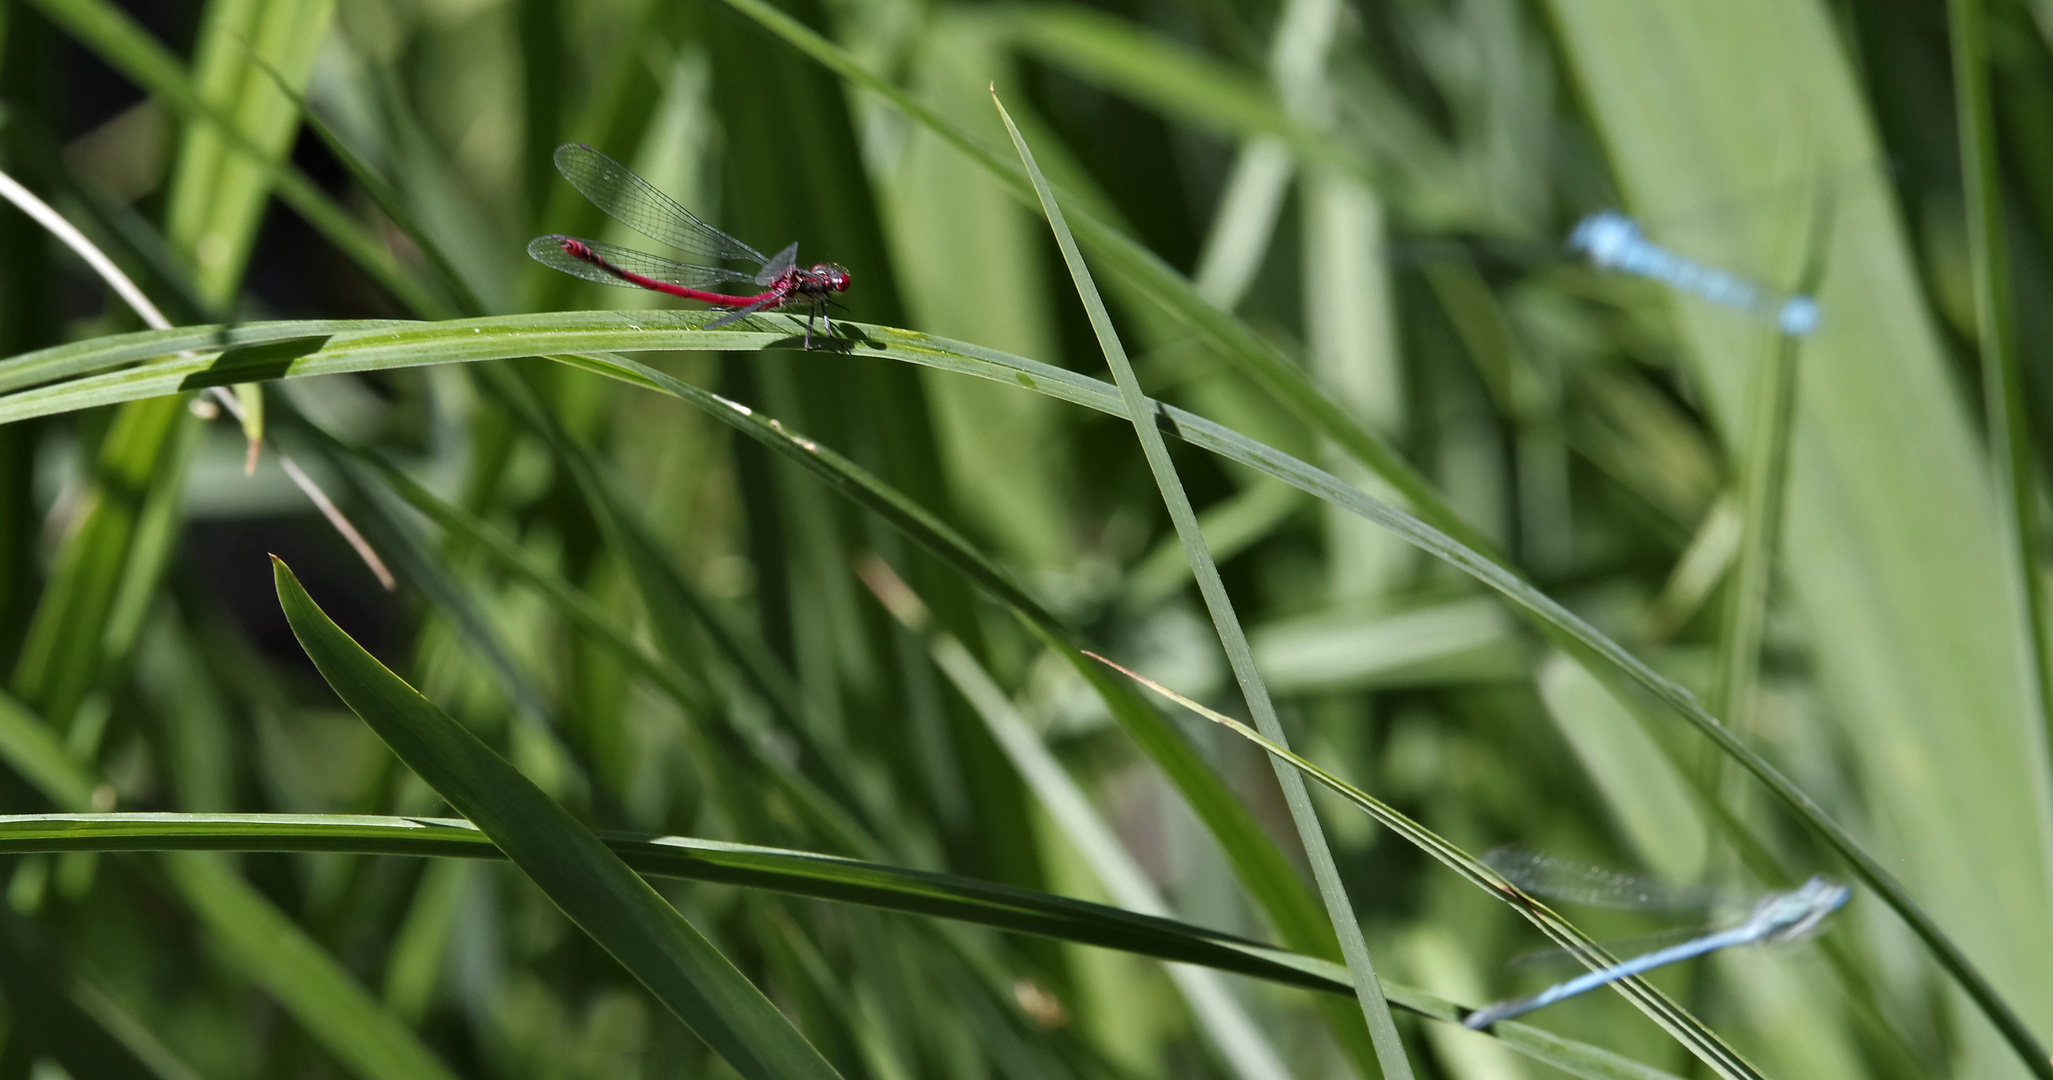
619, 910
1141, 410
568, 337
798, 873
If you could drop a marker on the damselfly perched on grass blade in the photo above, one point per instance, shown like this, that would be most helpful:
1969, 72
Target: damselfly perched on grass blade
1775, 918
635, 203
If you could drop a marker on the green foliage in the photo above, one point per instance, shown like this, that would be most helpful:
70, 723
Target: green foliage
758, 676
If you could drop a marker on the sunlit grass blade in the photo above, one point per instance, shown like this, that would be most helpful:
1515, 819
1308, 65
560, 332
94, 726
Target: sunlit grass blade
619, 910
1142, 412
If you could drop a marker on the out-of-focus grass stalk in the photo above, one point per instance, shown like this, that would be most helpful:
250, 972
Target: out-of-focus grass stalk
2003, 390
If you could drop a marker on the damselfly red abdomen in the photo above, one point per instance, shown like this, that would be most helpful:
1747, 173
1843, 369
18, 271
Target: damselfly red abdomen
635, 203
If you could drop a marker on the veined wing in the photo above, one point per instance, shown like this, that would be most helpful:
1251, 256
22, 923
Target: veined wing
548, 250
635, 203
778, 264
1559, 879
739, 314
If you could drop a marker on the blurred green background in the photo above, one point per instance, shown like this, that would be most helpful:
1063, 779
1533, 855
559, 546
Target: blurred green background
1371, 196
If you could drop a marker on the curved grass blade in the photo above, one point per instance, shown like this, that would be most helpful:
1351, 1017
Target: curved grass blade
583, 340
592, 886
1140, 410
798, 873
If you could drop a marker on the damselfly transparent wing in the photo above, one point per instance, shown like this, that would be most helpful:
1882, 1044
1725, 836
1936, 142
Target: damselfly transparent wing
779, 264
635, 203
1561, 879
1755, 206
739, 314
548, 250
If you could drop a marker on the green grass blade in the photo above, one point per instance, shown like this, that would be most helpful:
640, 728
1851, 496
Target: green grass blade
1389, 1048
797, 873
224, 174
619, 910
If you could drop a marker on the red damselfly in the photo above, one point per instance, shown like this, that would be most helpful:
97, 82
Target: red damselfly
635, 203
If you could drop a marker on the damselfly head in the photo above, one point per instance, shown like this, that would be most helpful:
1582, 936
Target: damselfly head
832, 276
